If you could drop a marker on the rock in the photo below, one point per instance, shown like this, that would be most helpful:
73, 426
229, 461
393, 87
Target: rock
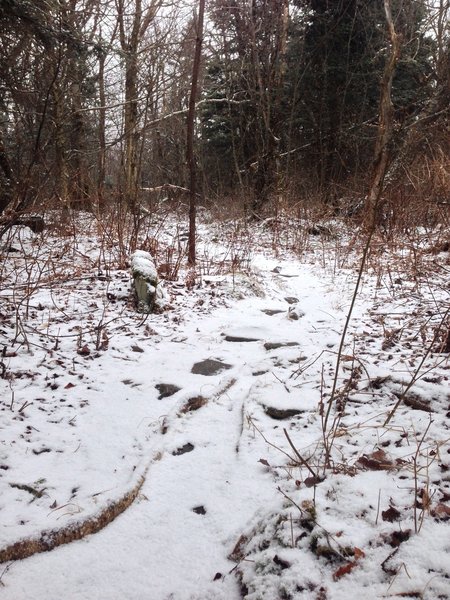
209, 367
240, 338
183, 450
281, 413
295, 312
136, 348
200, 510
271, 311
245, 334
166, 389
291, 299
145, 278
276, 345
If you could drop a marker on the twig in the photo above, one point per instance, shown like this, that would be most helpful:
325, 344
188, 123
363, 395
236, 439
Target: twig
299, 456
416, 376
378, 506
416, 484
250, 420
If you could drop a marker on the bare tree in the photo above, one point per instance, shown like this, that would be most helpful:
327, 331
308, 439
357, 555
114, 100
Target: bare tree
254, 44
386, 118
134, 20
190, 132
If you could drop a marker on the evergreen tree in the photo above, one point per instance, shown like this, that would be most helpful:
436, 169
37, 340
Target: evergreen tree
343, 55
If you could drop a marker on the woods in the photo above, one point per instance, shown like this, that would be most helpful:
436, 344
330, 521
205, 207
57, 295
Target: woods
96, 94
224, 299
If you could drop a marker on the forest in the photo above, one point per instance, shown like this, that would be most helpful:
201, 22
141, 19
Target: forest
96, 95
224, 299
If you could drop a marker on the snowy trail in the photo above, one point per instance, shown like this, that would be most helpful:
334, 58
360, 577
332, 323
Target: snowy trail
160, 548
199, 397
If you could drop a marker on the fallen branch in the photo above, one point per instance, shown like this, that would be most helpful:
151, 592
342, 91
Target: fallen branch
50, 539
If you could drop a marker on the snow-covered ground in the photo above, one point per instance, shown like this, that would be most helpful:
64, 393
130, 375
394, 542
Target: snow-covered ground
207, 426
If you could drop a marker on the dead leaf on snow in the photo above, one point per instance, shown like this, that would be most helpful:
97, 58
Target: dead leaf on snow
397, 537
238, 554
344, 570
441, 511
391, 514
348, 567
377, 461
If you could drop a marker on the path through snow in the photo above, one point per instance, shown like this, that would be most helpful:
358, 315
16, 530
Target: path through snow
84, 415
160, 548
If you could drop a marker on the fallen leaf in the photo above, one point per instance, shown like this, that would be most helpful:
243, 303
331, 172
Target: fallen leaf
69, 386
344, 570
391, 514
377, 461
398, 537
238, 553
441, 511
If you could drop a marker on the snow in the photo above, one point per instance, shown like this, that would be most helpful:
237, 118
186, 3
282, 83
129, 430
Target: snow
142, 263
81, 421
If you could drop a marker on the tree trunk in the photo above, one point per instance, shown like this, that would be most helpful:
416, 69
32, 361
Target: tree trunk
190, 134
101, 161
60, 149
385, 125
6, 193
130, 44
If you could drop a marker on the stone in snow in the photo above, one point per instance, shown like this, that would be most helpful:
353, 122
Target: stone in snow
295, 312
147, 287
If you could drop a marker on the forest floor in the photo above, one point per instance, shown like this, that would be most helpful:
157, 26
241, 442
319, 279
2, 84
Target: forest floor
208, 426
